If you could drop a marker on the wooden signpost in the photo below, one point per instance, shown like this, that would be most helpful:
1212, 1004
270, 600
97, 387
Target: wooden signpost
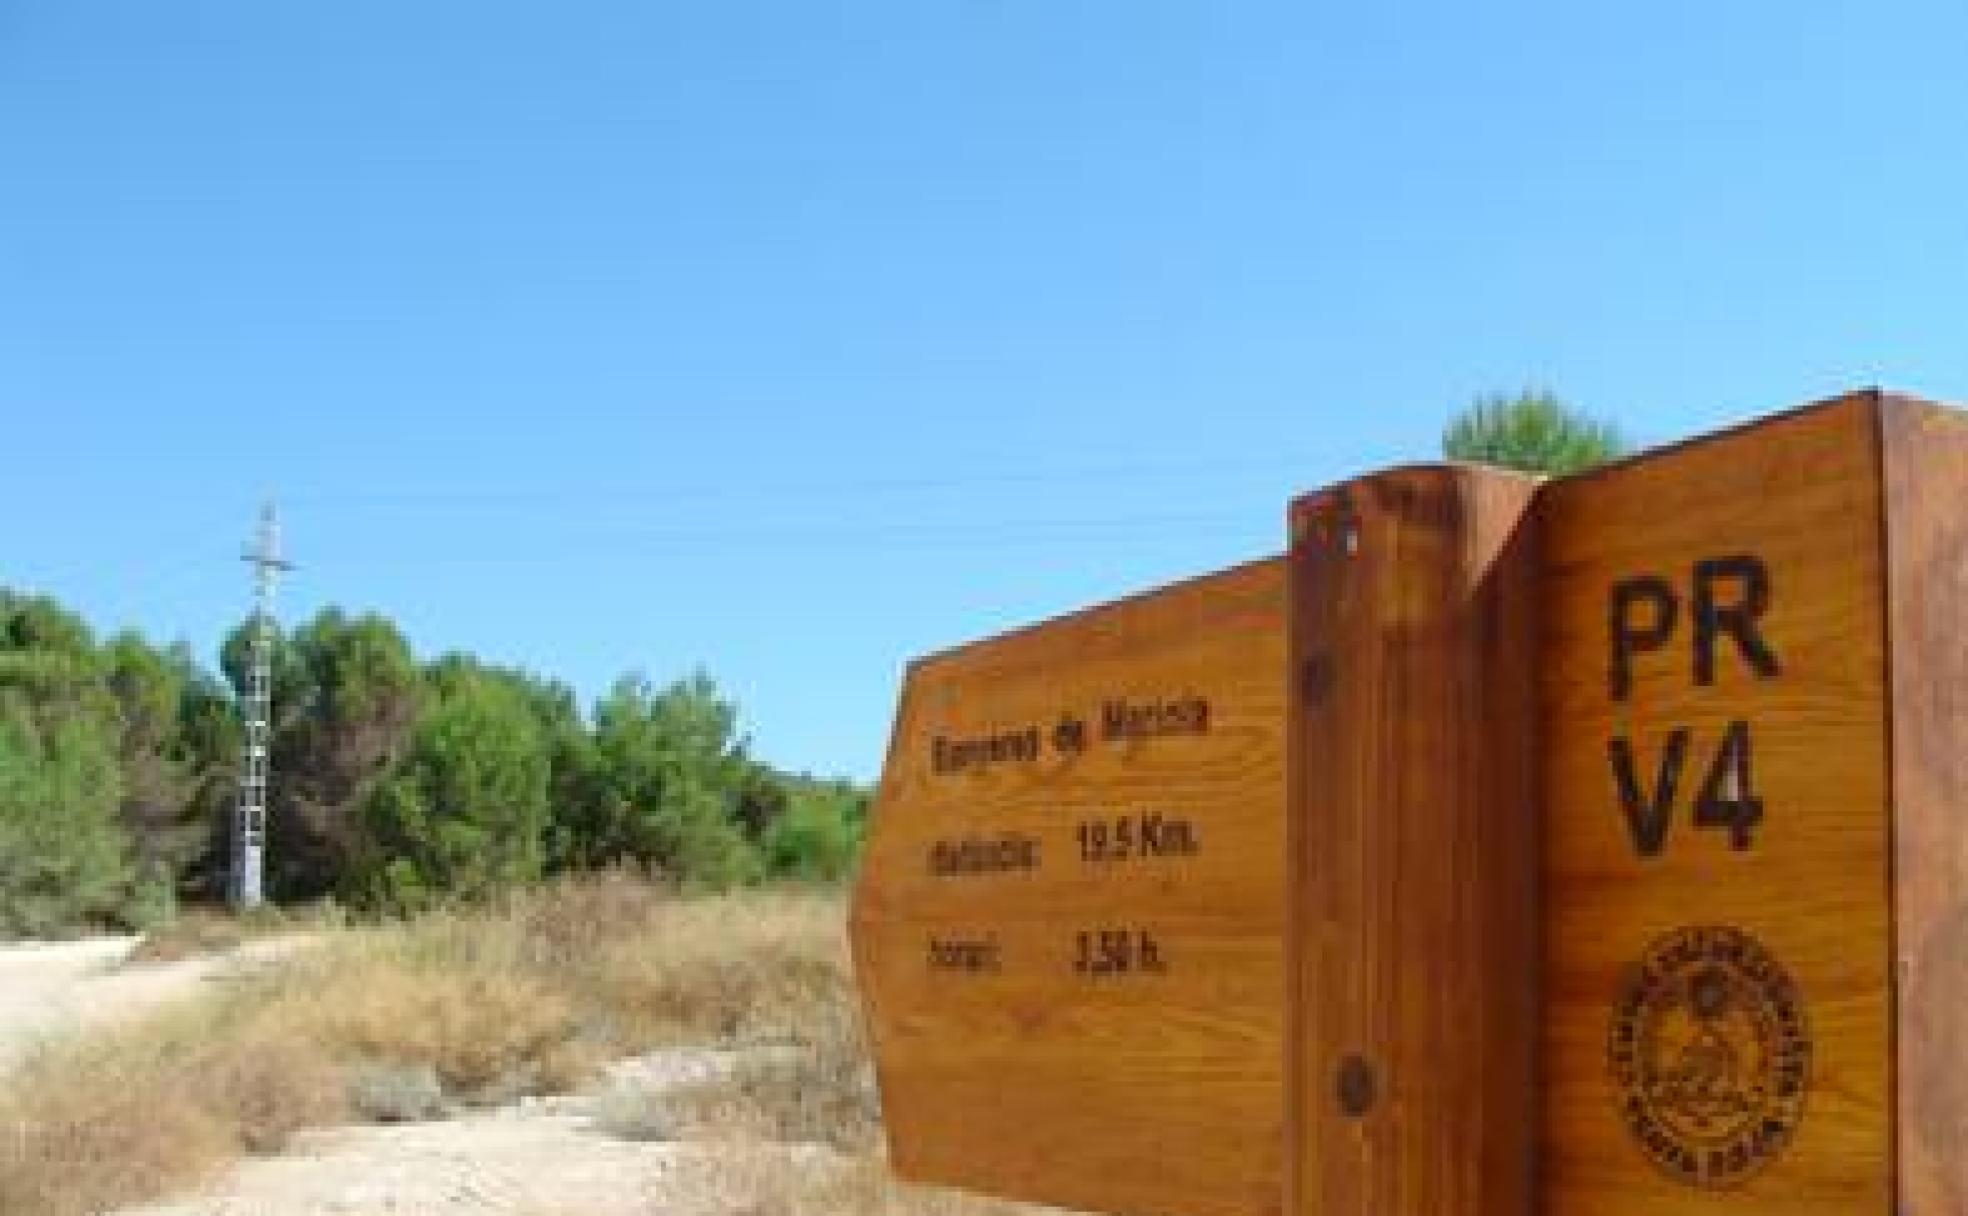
1756, 859
1413, 820
1070, 924
1598, 845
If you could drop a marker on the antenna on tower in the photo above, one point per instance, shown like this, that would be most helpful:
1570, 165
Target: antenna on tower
249, 823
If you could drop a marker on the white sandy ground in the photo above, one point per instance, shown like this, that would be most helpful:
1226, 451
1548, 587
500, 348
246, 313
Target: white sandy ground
57, 988
543, 1157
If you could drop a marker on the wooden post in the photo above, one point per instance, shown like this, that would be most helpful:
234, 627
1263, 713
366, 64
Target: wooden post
1414, 835
1924, 452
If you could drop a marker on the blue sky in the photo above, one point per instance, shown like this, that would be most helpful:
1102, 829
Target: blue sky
791, 340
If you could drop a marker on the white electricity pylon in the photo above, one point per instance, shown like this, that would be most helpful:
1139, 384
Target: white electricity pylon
249, 822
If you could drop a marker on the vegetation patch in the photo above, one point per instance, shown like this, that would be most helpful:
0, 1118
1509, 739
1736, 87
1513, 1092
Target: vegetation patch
402, 785
407, 1021
93, 1124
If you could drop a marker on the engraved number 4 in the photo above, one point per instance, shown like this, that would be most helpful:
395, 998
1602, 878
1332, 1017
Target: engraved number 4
1727, 798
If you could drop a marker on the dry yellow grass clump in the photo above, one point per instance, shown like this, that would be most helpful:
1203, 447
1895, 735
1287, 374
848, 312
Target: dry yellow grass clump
530, 997
91, 1124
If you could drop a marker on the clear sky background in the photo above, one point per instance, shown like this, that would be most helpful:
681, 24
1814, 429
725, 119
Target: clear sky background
792, 340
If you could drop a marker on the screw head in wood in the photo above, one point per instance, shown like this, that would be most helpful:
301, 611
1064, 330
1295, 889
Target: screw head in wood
1356, 1086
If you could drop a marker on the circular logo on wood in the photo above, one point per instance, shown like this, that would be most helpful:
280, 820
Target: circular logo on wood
1711, 1055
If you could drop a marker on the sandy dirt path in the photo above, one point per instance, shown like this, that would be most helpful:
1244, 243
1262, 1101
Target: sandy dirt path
50, 989
513, 1162
542, 1157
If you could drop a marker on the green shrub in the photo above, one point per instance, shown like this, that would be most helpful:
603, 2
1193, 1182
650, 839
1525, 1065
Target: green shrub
815, 840
386, 1092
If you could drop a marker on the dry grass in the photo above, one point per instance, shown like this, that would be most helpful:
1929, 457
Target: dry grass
488, 1037
746, 969
194, 933
199, 932
819, 1090
93, 1124
523, 999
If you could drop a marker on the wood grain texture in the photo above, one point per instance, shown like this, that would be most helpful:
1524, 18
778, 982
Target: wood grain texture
1414, 819
1009, 1066
1925, 455
1799, 497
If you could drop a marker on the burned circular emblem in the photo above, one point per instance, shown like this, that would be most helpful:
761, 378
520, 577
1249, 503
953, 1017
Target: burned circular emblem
1710, 1054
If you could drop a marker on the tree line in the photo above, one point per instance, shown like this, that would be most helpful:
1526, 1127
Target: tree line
397, 783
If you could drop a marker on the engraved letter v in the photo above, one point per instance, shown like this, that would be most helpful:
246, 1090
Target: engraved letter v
1647, 816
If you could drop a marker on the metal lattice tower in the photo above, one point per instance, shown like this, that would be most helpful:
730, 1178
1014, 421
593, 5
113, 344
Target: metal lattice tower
249, 822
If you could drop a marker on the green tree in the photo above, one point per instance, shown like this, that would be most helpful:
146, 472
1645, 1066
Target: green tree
64, 857
346, 697
207, 747
667, 769
39, 623
762, 798
393, 782
1533, 431
158, 781
49, 657
464, 814
572, 761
